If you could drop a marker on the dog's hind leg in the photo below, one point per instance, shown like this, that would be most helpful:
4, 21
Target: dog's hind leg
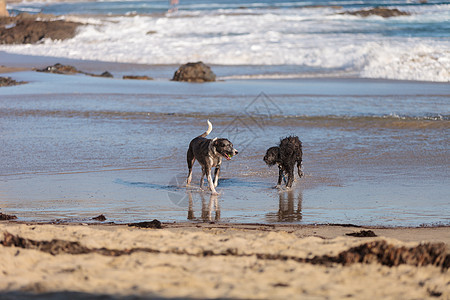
299, 161
190, 162
203, 177
216, 175
299, 167
290, 172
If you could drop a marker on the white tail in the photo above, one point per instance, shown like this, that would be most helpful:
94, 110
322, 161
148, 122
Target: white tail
209, 129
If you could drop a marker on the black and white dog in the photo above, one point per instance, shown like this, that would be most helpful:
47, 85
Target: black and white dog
286, 155
209, 154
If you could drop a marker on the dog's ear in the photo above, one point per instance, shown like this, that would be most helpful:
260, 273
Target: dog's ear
214, 142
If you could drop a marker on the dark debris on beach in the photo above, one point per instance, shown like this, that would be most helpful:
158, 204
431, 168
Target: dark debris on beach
381, 252
5, 217
153, 224
362, 233
435, 254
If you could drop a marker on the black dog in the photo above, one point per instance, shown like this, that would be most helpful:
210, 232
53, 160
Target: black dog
286, 156
209, 154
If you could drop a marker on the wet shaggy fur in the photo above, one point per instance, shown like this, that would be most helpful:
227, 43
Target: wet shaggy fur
286, 155
209, 154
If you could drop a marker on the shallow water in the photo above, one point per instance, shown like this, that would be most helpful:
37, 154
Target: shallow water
375, 152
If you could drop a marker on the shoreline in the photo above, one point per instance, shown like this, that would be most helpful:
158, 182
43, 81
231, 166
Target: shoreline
429, 233
5, 69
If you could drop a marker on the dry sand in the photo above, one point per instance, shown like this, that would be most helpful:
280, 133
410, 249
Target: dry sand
214, 261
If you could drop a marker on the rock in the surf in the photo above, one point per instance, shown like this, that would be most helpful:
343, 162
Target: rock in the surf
30, 29
378, 11
194, 72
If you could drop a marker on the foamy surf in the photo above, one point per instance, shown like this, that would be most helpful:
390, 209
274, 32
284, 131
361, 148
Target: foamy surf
322, 41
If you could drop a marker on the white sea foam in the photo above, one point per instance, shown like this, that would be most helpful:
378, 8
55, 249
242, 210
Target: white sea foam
312, 38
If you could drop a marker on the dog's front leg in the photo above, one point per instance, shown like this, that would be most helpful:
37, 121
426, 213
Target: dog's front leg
216, 175
210, 182
280, 175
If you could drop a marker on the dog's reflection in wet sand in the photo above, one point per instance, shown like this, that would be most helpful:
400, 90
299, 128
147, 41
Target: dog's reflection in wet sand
210, 205
290, 207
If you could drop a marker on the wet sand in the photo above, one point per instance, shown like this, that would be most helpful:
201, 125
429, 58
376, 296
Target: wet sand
233, 261
4, 69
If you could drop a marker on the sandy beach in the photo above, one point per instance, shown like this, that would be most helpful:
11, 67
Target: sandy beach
215, 261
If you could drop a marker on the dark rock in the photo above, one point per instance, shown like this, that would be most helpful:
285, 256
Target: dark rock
153, 224
143, 77
105, 74
8, 81
26, 29
194, 72
378, 11
69, 70
99, 218
4, 217
59, 69
321, 6
362, 233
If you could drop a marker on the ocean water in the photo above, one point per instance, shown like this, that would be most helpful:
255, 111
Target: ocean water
271, 39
